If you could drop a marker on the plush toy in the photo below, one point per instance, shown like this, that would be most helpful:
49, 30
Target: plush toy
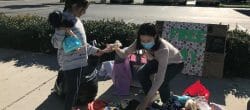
58, 19
191, 105
114, 46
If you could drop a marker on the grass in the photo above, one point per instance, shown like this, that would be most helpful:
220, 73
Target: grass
235, 5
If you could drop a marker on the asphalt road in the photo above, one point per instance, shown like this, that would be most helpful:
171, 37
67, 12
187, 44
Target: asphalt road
136, 13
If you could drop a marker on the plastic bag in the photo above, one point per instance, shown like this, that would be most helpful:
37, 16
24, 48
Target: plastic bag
203, 105
71, 43
215, 106
106, 69
197, 89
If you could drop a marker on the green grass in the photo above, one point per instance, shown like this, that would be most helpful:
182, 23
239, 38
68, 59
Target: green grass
235, 5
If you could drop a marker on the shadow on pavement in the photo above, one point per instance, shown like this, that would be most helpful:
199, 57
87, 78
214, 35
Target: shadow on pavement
53, 102
248, 105
109, 96
219, 89
25, 6
43, 5
244, 12
28, 59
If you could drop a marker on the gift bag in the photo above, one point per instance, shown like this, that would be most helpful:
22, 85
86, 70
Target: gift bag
121, 77
197, 89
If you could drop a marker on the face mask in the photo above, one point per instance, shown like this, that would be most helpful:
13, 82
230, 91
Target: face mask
148, 45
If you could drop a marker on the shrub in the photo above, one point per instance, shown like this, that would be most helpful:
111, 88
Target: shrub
26, 33
107, 31
237, 60
33, 33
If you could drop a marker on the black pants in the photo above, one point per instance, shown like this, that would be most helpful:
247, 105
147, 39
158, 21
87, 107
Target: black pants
72, 81
60, 77
150, 68
81, 77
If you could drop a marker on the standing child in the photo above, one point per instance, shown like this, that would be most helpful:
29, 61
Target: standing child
74, 64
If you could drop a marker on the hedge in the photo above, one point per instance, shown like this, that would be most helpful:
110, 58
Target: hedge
237, 60
25, 32
33, 33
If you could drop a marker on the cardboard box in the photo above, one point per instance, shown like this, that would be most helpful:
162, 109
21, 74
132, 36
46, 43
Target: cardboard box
217, 30
213, 65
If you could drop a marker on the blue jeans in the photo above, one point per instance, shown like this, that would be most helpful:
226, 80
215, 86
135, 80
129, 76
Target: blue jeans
150, 68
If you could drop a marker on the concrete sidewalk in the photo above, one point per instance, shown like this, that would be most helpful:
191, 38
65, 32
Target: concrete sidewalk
27, 79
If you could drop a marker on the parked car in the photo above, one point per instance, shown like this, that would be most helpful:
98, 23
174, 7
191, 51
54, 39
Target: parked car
168, 2
121, 1
207, 2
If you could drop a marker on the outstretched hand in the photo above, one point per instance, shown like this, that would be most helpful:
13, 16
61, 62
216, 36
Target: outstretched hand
99, 53
113, 47
109, 48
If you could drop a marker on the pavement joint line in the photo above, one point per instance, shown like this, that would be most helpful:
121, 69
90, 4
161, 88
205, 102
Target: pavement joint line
14, 102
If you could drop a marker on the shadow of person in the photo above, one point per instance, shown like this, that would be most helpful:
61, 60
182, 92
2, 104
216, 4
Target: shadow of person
111, 97
29, 59
53, 102
248, 105
217, 93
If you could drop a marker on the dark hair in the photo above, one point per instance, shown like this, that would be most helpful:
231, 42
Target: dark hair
150, 30
57, 20
79, 3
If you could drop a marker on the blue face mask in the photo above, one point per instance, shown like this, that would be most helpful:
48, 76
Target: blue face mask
148, 45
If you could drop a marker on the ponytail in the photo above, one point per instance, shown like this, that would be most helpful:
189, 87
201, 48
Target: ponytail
80, 3
67, 5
